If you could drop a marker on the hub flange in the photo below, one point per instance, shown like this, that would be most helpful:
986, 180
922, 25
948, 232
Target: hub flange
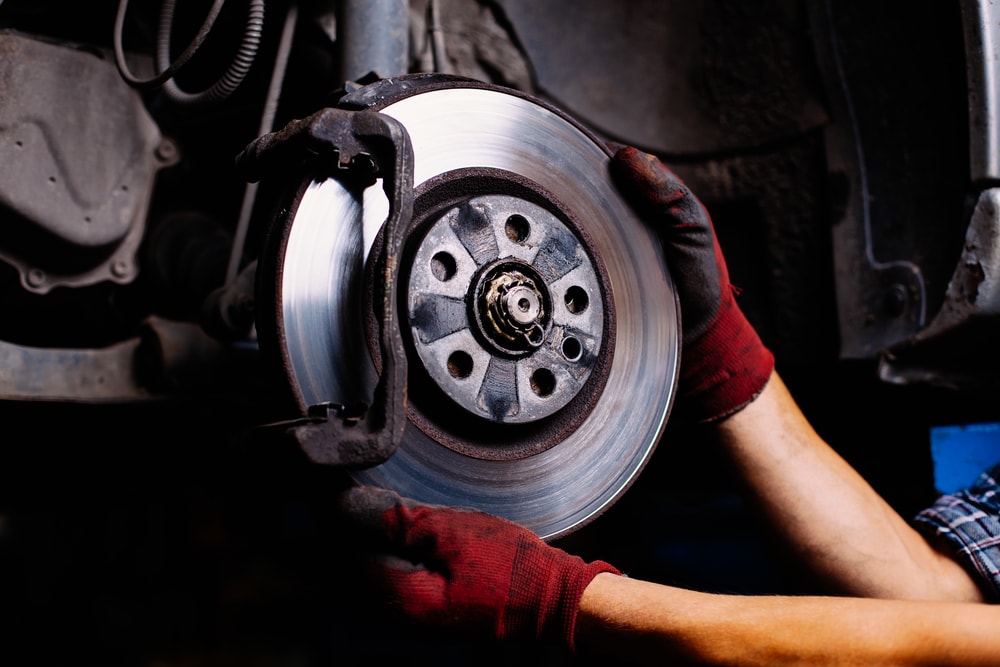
505, 309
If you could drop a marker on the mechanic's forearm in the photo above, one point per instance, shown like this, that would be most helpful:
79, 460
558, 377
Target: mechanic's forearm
647, 623
831, 517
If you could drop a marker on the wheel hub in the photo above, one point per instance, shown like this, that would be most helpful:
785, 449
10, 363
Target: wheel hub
510, 308
505, 309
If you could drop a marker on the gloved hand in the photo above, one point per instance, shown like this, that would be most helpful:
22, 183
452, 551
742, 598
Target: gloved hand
468, 570
724, 364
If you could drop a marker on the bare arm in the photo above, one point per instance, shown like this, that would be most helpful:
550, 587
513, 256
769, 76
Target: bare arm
835, 523
828, 514
648, 623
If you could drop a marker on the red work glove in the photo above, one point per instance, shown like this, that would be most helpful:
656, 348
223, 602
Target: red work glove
470, 571
724, 364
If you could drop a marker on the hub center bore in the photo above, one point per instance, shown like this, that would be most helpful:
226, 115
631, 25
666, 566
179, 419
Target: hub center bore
511, 307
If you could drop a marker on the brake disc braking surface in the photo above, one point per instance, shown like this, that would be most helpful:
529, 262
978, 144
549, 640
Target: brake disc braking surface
539, 321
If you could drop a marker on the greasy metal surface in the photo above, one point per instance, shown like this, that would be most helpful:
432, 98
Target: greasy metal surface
881, 297
92, 376
505, 309
373, 36
78, 155
981, 23
452, 128
165, 359
948, 352
680, 77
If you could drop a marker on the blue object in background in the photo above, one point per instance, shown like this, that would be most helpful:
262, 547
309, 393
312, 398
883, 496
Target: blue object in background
961, 452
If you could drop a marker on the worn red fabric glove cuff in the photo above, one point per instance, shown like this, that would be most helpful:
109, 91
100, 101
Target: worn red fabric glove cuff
732, 368
467, 569
546, 588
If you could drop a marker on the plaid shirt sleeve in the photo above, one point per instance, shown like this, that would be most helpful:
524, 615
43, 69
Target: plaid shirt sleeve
969, 523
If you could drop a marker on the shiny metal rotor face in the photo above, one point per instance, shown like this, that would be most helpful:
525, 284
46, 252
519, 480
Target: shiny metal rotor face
505, 309
551, 469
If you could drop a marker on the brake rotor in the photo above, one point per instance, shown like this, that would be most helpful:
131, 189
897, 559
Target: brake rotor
541, 322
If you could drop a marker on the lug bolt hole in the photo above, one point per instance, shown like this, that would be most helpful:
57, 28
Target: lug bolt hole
518, 228
443, 266
577, 300
572, 349
543, 382
460, 364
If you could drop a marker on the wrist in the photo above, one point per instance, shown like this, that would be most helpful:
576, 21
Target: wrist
599, 605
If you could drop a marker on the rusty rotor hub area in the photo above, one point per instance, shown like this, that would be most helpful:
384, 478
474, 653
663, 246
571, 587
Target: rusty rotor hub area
510, 308
505, 309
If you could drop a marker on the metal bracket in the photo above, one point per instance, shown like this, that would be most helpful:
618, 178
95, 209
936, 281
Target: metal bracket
359, 147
